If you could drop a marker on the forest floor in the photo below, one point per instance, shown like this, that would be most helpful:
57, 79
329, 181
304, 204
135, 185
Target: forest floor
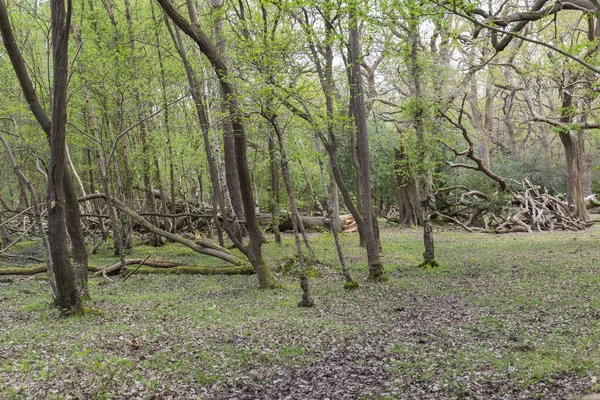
513, 316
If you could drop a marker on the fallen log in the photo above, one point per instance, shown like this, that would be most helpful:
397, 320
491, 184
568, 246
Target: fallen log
173, 267
23, 271
32, 270
181, 269
139, 261
191, 270
347, 223
592, 201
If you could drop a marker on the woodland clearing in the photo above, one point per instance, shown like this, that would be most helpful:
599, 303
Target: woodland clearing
513, 316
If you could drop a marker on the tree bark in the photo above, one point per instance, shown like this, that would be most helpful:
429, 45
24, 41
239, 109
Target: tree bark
231, 173
572, 148
67, 295
362, 142
274, 188
406, 191
3, 232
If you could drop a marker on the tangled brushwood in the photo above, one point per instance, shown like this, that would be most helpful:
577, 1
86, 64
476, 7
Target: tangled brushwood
529, 209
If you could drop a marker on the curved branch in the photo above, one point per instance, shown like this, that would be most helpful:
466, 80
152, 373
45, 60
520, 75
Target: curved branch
199, 246
469, 153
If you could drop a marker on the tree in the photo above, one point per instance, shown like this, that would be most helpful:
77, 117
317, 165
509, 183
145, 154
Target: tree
504, 26
254, 252
357, 106
60, 189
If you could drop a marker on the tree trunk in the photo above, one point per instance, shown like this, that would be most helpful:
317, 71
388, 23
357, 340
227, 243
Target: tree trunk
480, 122
231, 173
219, 191
254, 248
67, 295
296, 221
333, 214
425, 185
274, 188
3, 232
362, 142
406, 191
75, 232
429, 253
59, 50
570, 141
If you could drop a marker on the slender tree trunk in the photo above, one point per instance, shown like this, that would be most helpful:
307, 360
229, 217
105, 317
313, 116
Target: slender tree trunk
362, 142
510, 127
482, 122
3, 232
75, 232
92, 187
215, 214
274, 189
100, 159
406, 191
296, 221
36, 214
219, 188
231, 173
424, 187
334, 217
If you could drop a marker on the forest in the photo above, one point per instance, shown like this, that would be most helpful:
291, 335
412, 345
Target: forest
299, 199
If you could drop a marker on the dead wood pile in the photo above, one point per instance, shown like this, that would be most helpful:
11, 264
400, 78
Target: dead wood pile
527, 210
348, 224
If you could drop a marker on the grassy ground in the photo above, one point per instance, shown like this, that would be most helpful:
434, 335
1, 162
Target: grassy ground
504, 317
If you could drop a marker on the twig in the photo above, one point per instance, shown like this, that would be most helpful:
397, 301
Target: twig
136, 268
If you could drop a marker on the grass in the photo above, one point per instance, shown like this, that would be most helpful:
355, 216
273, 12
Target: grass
507, 316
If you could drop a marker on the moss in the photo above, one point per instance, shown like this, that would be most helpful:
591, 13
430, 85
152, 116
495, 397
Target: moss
432, 265
379, 276
351, 284
312, 272
242, 270
92, 311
